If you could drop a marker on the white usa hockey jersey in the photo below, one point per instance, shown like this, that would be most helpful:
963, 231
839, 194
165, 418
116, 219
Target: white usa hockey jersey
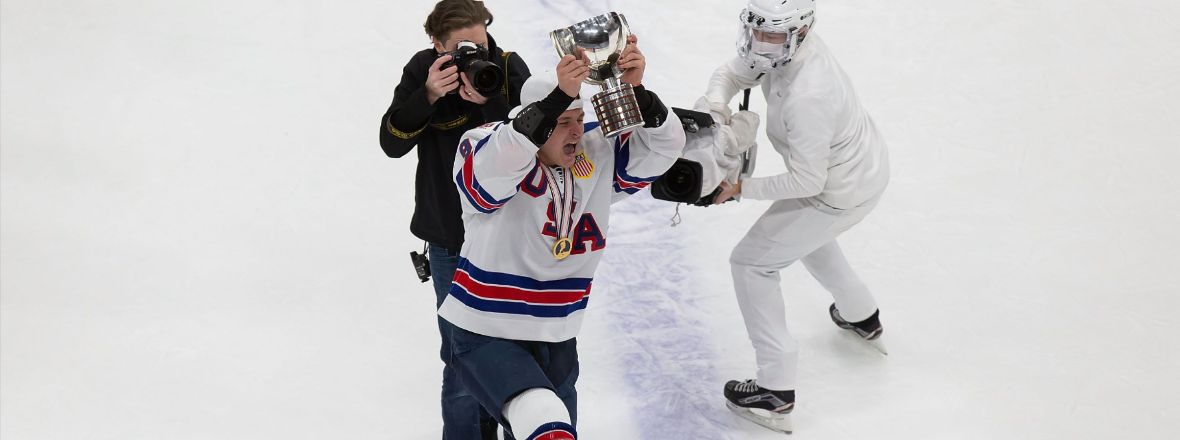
508, 283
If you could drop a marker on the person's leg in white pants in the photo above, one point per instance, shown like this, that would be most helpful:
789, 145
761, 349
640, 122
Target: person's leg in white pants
789, 231
828, 265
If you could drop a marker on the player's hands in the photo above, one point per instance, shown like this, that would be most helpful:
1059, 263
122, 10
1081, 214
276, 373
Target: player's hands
728, 192
632, 62
469, 93
571, 71
441, 81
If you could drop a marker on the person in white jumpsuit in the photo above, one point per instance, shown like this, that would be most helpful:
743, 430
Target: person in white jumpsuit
837, 169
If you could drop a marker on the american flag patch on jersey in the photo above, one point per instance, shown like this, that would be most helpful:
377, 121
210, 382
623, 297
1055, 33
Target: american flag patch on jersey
583, 168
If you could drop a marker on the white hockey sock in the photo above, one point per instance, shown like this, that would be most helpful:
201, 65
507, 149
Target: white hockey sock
538, 414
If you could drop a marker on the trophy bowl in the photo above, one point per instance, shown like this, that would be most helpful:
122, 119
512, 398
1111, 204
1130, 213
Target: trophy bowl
602, 40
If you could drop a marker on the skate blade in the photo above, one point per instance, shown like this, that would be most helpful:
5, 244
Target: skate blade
879, 345
776, 422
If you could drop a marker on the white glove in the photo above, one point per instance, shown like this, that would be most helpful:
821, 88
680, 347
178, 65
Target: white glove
720, 112
744, 125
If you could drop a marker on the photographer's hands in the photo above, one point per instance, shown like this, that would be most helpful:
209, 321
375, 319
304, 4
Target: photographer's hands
440, 81
469, 93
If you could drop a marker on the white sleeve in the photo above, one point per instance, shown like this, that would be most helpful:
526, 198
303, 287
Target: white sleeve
490, 164
810, 131
729, 79
643, 155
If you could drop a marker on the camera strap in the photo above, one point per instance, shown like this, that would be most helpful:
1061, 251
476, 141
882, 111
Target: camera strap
504, 88
563, 211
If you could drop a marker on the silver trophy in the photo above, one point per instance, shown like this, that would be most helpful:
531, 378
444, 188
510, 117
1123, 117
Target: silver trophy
603, 39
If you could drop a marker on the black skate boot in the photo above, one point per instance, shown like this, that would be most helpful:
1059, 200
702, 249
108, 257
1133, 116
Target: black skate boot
768, 408
870, 329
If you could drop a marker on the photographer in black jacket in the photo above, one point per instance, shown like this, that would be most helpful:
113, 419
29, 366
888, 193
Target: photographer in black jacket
439, 98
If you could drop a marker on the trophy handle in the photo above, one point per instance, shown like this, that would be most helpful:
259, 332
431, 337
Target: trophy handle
559, 38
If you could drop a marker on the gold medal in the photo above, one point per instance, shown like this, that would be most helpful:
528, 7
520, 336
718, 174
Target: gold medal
563, 207
562, 248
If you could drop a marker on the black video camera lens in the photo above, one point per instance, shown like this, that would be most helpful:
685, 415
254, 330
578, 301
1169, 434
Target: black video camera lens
486, 77
681, 183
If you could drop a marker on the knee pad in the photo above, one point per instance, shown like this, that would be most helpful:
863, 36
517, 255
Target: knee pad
538, 414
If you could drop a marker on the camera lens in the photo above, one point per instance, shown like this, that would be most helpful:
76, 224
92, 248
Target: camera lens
485, 77
679, 179
681, 183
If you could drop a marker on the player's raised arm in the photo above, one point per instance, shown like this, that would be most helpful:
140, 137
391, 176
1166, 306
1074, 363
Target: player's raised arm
643, 155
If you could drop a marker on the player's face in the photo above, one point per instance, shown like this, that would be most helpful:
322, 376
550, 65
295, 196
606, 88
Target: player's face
770, 37
477, 34
562, 146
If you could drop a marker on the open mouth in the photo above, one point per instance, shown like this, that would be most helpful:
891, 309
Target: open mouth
569, 149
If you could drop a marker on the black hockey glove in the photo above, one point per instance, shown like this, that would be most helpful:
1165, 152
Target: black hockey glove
538, 119
653, 110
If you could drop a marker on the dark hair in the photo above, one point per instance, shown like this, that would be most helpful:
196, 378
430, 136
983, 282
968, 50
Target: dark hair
449, 15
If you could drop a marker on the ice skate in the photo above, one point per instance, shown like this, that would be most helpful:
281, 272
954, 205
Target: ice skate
870, 329
771, 409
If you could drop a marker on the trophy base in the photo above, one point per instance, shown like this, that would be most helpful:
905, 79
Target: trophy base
617, 110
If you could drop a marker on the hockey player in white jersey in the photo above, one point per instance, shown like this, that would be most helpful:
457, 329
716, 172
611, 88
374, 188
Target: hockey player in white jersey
837, 169
536, 194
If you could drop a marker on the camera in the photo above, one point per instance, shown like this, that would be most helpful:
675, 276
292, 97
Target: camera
681, 183
686, 178
707, 160
421, 265
472, 59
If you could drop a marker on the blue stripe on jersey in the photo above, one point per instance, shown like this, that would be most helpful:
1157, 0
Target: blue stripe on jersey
622, 159
482, 194
521, 282
470, 199
516, 308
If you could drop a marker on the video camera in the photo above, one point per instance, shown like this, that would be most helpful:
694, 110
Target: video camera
696, 176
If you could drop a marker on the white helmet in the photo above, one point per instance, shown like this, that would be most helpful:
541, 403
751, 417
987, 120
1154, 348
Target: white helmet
786, 17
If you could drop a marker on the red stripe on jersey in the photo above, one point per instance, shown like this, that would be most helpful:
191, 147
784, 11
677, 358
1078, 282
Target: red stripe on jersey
508, 293
469, 186
625, 184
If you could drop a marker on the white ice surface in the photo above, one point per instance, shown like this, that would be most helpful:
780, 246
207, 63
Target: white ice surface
201, 239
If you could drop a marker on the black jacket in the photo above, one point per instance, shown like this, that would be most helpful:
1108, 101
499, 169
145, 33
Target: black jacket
436, 130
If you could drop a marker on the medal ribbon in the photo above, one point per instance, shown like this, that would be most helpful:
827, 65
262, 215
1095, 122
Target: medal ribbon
563, 202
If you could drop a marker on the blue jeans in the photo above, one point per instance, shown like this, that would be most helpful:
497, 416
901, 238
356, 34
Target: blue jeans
463, 417
495, 370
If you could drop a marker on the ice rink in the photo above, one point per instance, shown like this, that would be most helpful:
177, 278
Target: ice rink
201, 238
